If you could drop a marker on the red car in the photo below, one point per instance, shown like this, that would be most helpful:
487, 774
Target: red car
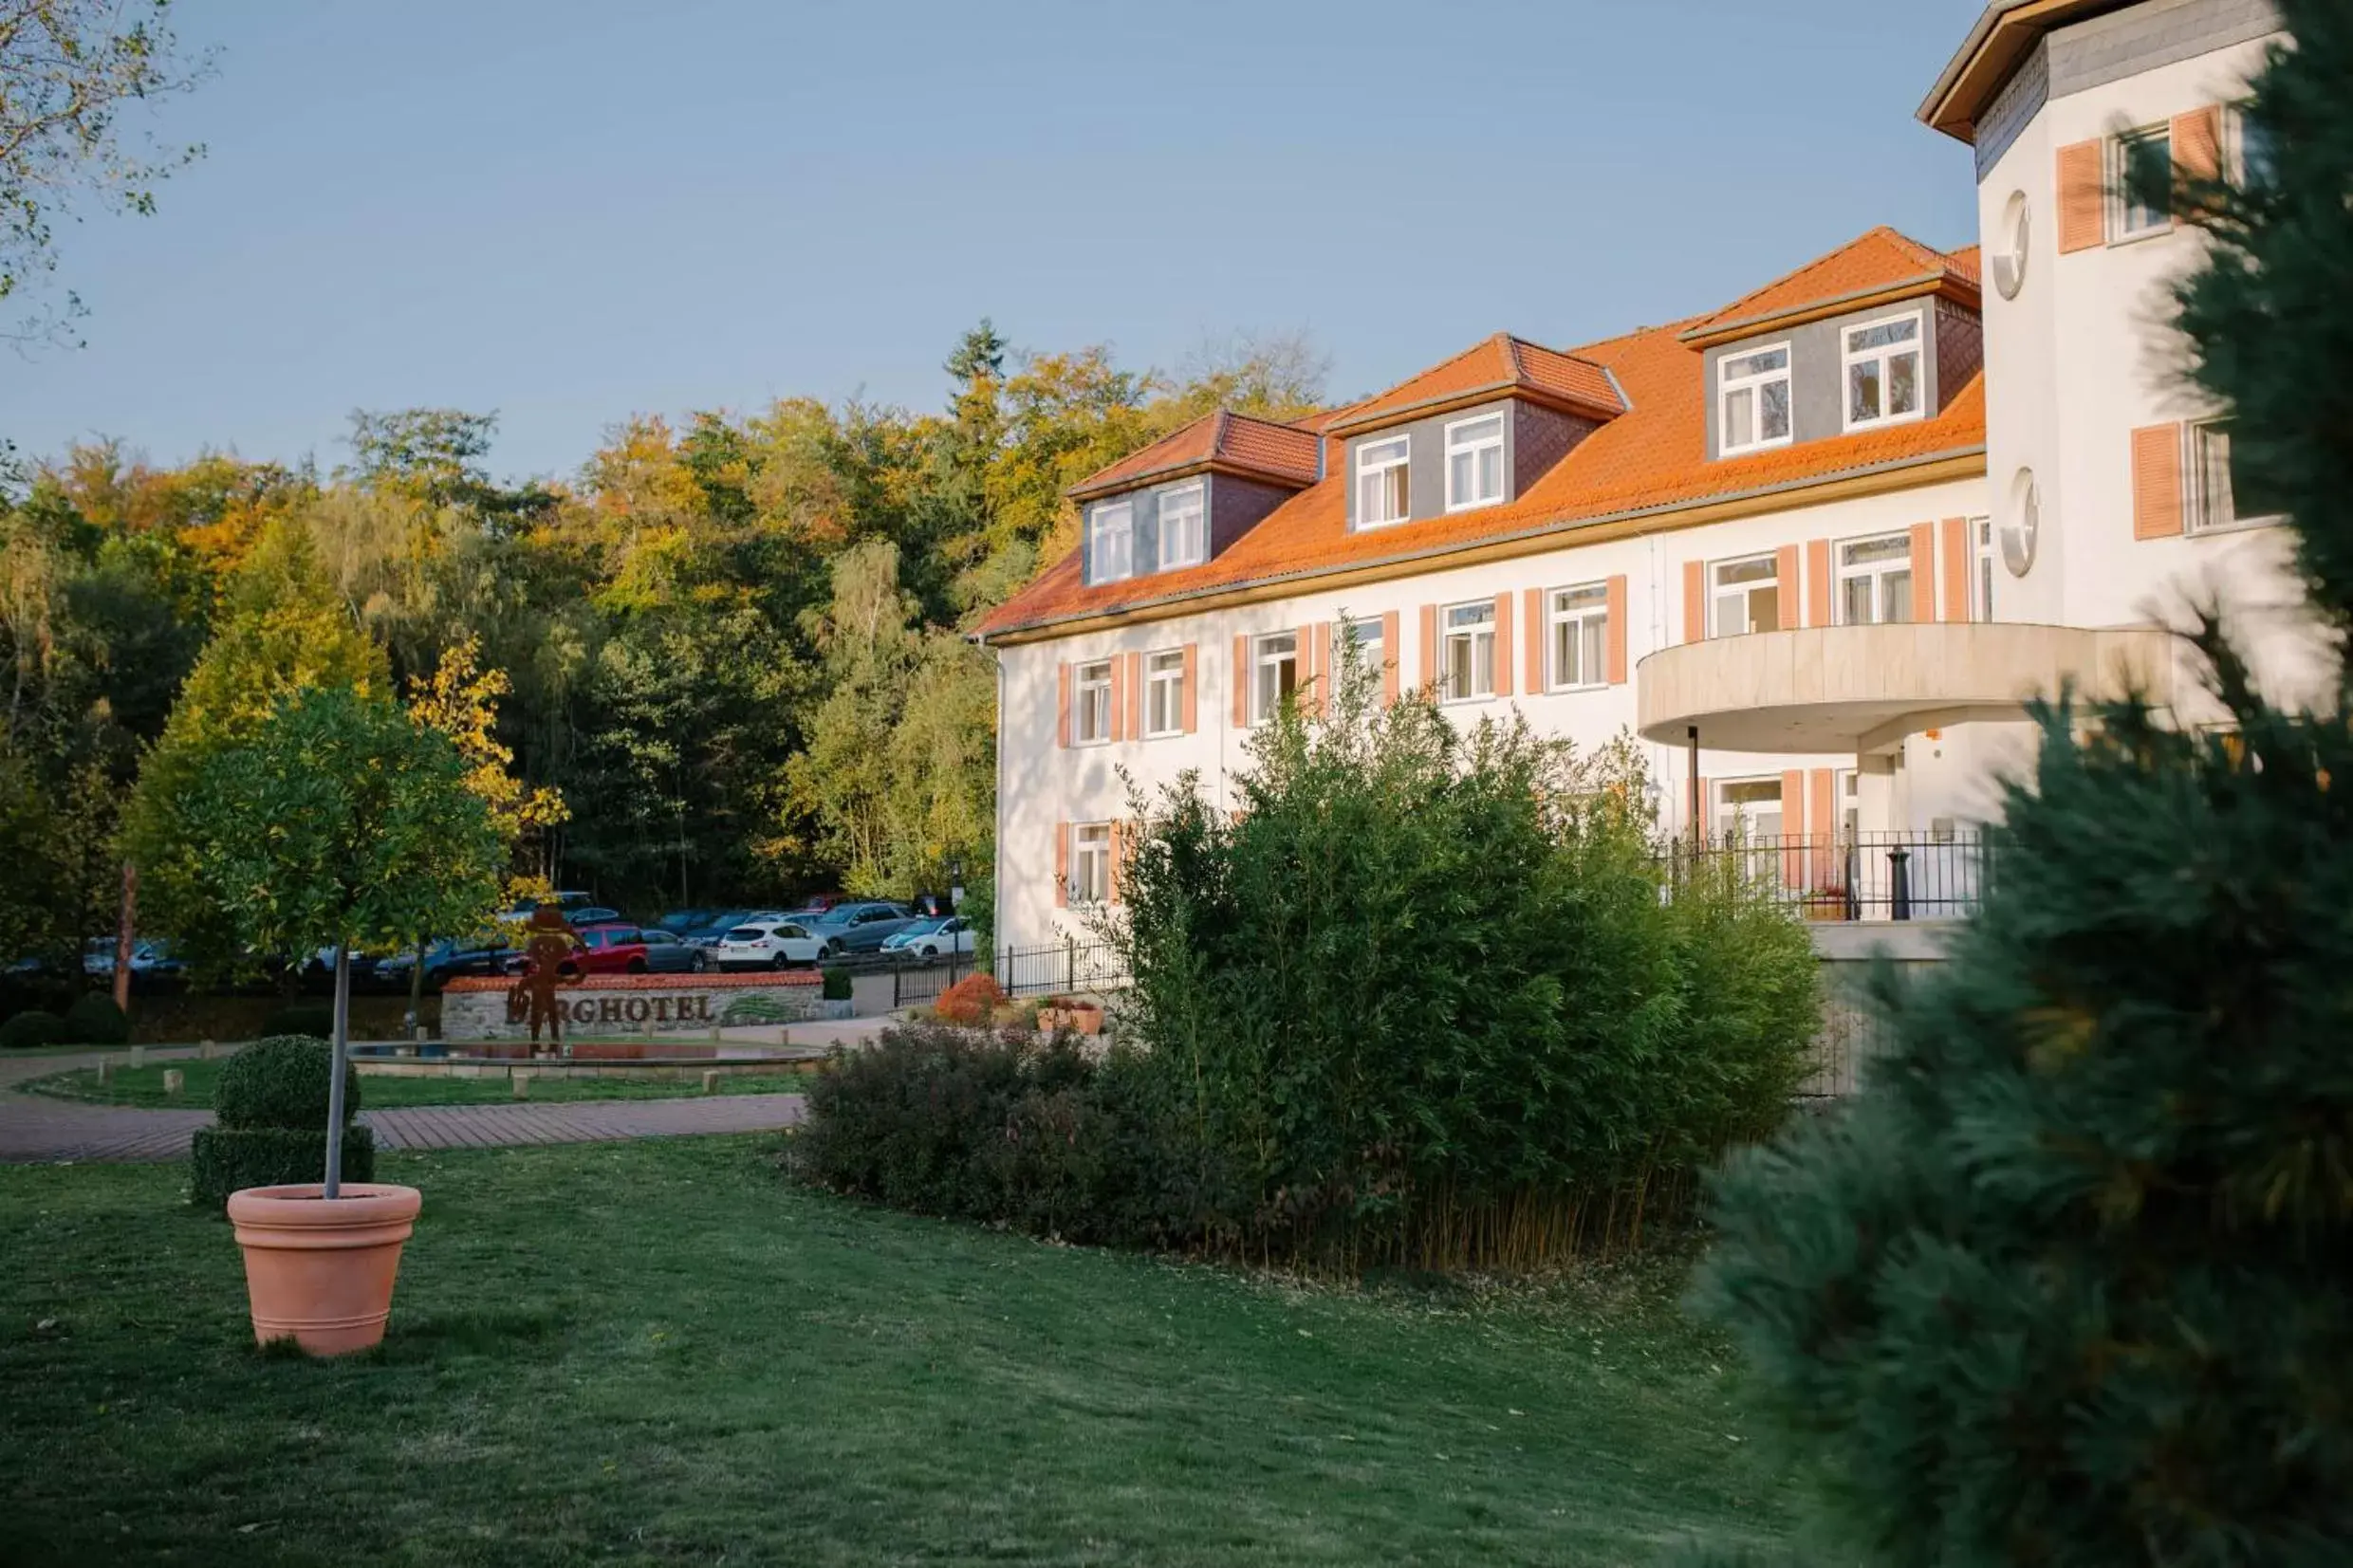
603, 950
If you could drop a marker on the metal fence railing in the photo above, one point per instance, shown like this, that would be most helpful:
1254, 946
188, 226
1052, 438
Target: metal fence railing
914, 983
1052, 969
1848, 877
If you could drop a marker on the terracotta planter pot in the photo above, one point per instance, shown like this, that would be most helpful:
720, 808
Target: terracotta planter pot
1082, 1019
322, 1272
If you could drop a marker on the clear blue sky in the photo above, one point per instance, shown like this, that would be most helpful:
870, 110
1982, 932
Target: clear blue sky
571, 213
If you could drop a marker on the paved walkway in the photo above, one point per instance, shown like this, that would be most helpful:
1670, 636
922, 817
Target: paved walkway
35, 1129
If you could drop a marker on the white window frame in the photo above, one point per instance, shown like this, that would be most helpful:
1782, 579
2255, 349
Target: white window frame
1459, 446
1366, 468
1981, 568
1877, 573
1101, 530
2120, 202
1370, 639
1472, 631
1754, 383
1265, 663
1725, 813
2199, 518
1198, 494
1850, 357
1090, 862
1718, 591
1088, 691
1164, 694
1560, 612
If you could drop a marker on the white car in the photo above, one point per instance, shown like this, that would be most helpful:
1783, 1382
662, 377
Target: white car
766, 945
935, 937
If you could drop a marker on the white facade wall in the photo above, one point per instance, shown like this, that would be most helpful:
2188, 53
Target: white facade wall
2079, 360
1044, 785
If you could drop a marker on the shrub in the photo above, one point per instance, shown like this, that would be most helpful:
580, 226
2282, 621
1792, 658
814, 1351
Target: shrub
314, 1019
837, 980
755, 1009
227, 1159
30, 1028
973, 999
94, 1020
1423, 994
282, 1082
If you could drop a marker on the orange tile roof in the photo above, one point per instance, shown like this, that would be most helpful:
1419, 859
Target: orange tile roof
1651, 459
1259, 448
1498, 366
1883, 265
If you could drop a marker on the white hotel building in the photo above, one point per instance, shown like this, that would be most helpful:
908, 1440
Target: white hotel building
1814, 547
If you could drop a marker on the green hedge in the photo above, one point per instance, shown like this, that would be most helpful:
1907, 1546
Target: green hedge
838, 986
94, 1020
315, 1019
30, 1028
282, 1082
227, 1159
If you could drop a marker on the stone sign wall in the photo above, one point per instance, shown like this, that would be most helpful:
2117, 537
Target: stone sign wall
488, 1008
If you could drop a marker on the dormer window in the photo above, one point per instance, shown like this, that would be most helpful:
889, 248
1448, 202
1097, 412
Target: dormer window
1184, 533
1380, 482
1754, 393
1111, 542
1475, 462
1883, 371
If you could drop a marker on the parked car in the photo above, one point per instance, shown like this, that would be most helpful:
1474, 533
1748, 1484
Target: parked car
930, 938
819, 902
721, 922
682, 921
149, 956
568, 902
592, 914
766, 945
612, 950
667, 952
857, 927
446, 960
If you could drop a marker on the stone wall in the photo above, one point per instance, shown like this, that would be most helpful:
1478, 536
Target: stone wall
1851, 1034
635, 1004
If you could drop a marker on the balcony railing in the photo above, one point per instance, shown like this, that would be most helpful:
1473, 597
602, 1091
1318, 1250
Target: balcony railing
1848, 877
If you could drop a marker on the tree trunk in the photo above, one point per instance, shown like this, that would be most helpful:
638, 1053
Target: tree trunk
125, 924
337, 1056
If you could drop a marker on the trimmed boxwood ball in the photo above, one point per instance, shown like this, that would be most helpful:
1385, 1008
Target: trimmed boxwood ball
31, 1029
282, 1082
94, 1020
229, 1159
836, 982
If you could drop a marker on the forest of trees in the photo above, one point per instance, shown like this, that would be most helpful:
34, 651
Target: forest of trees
726, 662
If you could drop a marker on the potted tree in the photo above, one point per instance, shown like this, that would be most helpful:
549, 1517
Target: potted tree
337, 822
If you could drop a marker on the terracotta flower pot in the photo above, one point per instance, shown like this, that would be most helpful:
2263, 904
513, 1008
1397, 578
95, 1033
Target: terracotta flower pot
322, 1271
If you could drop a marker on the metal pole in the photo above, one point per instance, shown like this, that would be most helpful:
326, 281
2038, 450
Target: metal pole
1692, 733
336, 1056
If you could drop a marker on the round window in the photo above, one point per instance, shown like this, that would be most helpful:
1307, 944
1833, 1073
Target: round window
2023, 525
2009, 246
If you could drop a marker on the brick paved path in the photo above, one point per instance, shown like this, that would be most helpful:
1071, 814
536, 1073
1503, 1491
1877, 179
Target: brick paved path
36, 1129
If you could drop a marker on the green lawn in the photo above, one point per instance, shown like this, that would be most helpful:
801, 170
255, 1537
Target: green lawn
661, 1353
145, 1086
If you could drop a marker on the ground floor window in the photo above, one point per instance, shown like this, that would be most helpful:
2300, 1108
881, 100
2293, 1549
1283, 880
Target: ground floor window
1090, 863
1580, 642
1274, 665
1749, 804
1468, 665
1164, 693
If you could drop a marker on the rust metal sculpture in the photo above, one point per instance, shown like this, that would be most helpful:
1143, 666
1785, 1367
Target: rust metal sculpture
551, 945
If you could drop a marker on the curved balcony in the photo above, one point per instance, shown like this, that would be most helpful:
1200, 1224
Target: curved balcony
1863, 688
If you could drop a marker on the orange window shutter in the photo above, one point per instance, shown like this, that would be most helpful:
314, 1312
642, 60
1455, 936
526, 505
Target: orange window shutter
1695, 600
1706, 807
1119, 838
1062, 865
1392, 657
1241, 683
1785, 588
1062, 704
2198, 143
1189, 698
1822, 819
1303, 667
1532, 620
1617, 629
1321, 641
1503, 645
2083, 196
1429, 645
1135, 696
1923, 571
1818, 604
1117, 715
1957, 568
2156, 481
